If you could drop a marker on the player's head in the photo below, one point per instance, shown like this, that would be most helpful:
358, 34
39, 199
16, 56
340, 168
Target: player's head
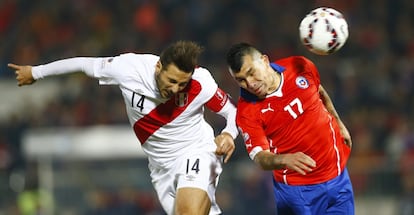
251, 69
176, 66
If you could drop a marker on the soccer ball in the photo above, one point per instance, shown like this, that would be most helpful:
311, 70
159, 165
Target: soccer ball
323, 31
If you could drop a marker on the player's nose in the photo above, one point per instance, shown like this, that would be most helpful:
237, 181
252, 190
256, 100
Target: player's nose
175, 88
250, 83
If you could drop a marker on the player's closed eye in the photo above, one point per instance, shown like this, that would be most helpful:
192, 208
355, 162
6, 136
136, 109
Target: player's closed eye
241, 81
181, 85
251, 73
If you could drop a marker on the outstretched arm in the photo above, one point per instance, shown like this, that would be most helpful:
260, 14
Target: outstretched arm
26, 74
330, 107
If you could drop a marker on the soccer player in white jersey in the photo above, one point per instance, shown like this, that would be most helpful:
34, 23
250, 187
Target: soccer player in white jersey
165, 98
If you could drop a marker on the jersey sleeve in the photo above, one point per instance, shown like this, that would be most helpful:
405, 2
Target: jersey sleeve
114, 70
217, 100
65, 66
109, 70
223, 105
249, 124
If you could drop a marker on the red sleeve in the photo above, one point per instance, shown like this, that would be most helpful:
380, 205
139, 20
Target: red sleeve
312, 69
217, 102
249, 121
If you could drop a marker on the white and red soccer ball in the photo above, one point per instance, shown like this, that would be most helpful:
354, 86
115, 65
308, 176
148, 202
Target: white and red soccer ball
323, 31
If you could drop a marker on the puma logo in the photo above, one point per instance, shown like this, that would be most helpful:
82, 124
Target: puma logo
268, 108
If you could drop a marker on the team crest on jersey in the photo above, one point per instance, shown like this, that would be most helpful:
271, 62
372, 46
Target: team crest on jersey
302, 82
181, 99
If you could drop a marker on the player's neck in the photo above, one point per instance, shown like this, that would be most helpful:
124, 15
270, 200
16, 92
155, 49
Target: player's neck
276, 80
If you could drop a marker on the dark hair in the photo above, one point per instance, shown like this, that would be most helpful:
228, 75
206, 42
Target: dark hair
183, 54
236, 53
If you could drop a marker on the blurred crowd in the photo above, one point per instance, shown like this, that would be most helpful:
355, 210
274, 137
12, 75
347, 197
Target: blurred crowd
371, 79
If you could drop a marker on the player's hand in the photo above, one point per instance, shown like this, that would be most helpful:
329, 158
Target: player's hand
299, 162
225, 145
347, 137
23, 74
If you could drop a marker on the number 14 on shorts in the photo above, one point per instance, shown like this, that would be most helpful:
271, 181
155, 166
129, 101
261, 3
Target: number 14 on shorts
193, 165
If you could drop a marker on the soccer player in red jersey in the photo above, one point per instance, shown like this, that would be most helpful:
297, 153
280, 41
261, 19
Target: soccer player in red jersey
290, 126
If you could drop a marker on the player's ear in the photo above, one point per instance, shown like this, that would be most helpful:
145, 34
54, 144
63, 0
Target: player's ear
265, 59
158, 67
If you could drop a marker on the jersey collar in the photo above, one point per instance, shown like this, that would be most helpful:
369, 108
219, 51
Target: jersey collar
278, 68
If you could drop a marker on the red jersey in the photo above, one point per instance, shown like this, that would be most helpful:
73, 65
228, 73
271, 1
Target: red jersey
294, 119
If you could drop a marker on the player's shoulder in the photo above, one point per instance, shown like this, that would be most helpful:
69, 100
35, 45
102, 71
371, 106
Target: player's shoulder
295, 60
135, 57
201, 72
203, 80
203, 76
297, 64
247, 106
248, 99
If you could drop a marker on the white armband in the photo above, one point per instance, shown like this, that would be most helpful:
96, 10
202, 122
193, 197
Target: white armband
254, 152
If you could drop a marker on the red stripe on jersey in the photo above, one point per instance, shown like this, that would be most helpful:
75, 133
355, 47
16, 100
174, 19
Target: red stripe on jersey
217, 102
166, 112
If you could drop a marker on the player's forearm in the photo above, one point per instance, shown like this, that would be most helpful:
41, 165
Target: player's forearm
269, 161
70, 65
328, 102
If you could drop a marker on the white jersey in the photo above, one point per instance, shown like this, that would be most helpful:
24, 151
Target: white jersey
166, 128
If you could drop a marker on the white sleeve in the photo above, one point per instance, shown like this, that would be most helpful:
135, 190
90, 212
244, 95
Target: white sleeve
229, 113
219, 101
70, 65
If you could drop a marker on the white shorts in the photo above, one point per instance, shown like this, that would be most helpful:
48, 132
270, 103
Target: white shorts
197, 169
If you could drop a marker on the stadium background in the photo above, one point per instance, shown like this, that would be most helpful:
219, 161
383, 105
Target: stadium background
370, 80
